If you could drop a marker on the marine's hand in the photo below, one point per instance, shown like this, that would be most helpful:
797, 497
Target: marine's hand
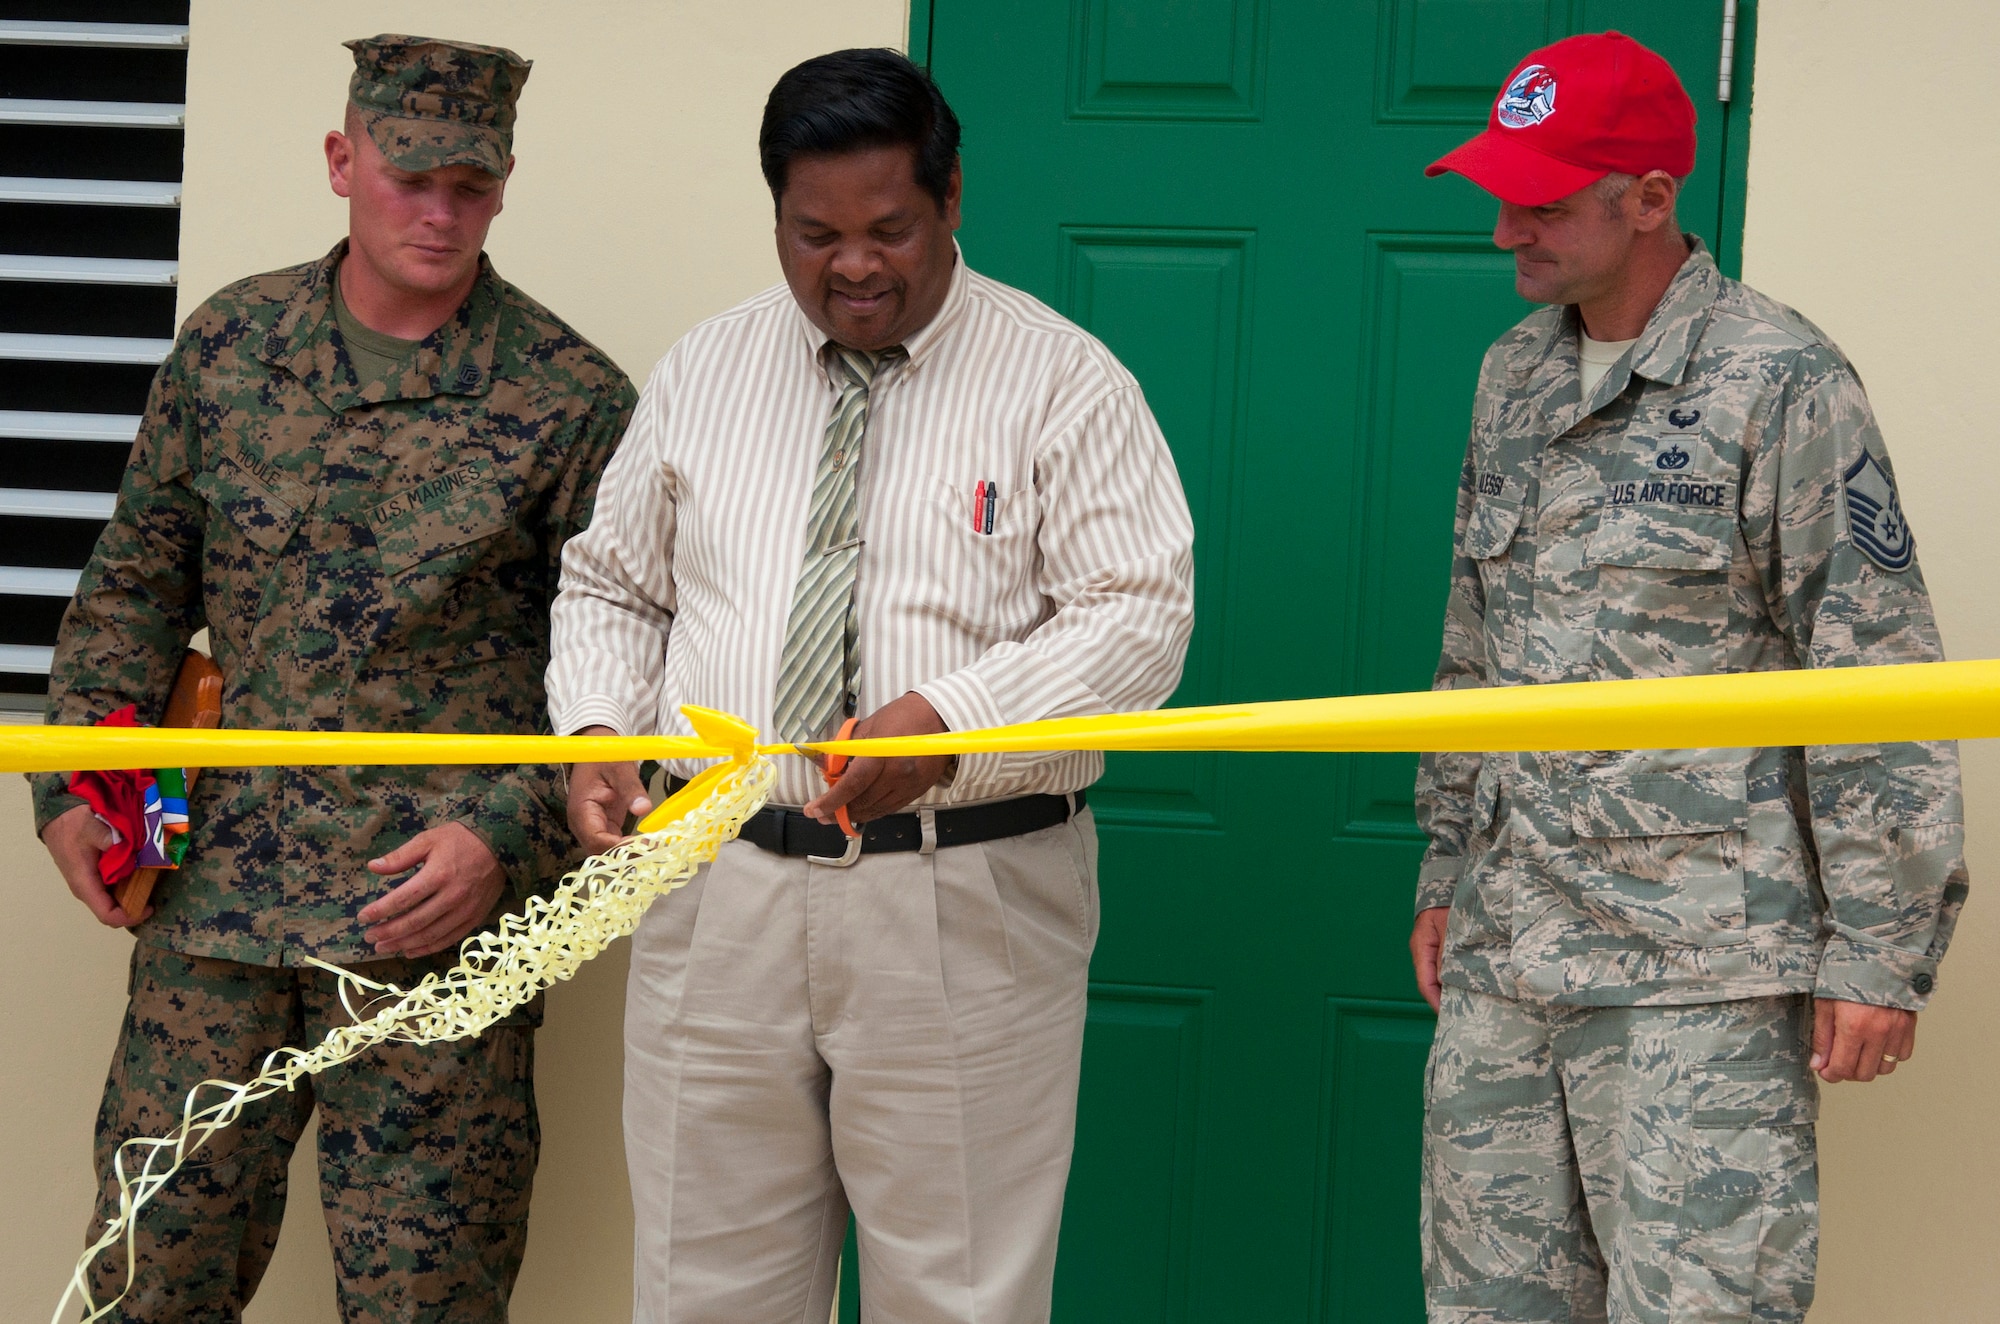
1427, 950
454, 889
75, 839
600, 797
871, 788
1854, 1041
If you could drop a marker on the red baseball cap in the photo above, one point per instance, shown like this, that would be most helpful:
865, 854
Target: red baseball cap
1573, 113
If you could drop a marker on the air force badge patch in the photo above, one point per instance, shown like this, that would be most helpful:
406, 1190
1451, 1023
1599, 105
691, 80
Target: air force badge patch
1528, 100
1875, 515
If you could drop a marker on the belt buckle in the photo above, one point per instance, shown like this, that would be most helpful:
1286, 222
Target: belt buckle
848, 860
834, 766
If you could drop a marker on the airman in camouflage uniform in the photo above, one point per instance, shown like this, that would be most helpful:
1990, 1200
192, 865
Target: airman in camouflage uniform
1621, 1100
370, 550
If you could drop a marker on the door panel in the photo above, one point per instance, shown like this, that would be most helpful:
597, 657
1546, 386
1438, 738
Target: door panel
1230, 194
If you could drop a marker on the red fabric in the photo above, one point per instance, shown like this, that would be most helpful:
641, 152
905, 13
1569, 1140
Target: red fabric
1574, 112
119, 798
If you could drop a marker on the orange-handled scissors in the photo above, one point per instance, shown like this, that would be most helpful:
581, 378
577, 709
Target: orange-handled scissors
830, 768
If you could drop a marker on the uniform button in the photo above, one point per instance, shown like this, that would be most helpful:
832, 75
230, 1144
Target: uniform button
1922, 983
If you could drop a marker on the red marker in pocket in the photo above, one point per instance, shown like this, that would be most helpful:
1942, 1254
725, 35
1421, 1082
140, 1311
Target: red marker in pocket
979, 507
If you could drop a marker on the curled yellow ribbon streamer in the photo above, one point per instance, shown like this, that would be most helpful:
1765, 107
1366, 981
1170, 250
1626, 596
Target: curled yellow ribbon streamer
497, 971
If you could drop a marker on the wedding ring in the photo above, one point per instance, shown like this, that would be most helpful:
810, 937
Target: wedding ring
1890, 1057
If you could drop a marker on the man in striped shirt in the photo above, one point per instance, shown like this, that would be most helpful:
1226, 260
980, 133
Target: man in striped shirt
889, 488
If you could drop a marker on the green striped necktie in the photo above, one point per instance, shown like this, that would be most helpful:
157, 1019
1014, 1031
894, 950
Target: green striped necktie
817, 673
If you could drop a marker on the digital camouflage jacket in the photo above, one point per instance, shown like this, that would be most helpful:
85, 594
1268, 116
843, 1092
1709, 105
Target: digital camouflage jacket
1722, 502
367, 556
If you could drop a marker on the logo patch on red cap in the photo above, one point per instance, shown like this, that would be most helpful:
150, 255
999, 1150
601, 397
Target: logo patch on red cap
1529, 99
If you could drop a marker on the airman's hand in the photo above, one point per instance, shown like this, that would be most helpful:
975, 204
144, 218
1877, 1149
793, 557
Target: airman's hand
1427, 950
1854, 1041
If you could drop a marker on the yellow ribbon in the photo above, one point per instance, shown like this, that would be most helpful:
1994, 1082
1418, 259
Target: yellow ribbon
604, 900
1835, 706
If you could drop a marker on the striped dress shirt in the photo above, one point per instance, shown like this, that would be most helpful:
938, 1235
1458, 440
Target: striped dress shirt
1078, 600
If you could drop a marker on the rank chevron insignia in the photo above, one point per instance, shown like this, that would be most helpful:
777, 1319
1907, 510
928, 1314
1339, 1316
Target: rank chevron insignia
1875, 515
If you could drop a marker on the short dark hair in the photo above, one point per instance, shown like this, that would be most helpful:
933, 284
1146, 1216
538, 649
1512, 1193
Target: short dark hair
853, 100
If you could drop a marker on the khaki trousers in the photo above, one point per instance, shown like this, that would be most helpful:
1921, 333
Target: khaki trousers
901, 1037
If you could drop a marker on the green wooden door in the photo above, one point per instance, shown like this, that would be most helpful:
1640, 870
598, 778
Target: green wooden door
1230, 194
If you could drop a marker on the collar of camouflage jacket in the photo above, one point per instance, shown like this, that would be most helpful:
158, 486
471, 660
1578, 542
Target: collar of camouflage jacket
1671, 332
455, 359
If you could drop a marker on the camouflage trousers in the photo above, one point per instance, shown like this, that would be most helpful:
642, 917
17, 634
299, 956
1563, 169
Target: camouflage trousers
1639, 1165
426, 1154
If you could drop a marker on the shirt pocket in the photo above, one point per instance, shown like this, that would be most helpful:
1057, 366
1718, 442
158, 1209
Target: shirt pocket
1663, 589
1490, 528
410, 538
239, 506
1662, 852
244, 537
983, 582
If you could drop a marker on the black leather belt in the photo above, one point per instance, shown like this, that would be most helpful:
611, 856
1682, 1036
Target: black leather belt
789, 832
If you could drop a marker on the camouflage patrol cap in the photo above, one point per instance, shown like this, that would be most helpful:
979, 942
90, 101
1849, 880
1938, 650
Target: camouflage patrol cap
430, 103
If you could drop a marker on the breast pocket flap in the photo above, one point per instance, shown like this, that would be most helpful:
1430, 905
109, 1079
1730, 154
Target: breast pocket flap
1683, 802
1663, 539
1490, 529
410, 538
258, 515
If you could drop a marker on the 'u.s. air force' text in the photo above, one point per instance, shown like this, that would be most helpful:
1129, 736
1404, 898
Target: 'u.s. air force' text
1668, 492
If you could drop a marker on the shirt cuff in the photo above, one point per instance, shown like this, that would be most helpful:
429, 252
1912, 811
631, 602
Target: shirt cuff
1437, 881
595, 710
515, 825
964, 703
1853, 969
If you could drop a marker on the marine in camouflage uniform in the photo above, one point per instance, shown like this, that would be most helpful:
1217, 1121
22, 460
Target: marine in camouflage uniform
372, 552
1621, 1109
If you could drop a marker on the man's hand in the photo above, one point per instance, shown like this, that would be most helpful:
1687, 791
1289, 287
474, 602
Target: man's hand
1854, 1041
75, 839
443, 901
872, 788
1427, 950
600, 797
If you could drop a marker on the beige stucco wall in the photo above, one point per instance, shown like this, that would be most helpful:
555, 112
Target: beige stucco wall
1873, 165
636, 210
1868, 208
